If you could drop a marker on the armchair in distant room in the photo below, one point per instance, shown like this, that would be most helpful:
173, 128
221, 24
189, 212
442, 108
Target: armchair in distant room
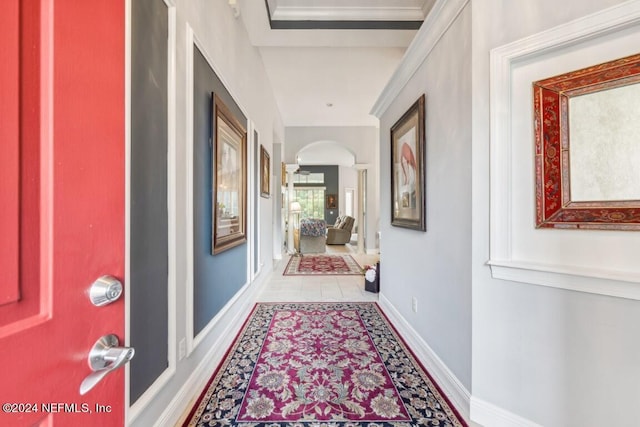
312, 235
340, 232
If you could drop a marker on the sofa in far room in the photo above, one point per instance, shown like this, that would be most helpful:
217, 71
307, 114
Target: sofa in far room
340, 232
312, 236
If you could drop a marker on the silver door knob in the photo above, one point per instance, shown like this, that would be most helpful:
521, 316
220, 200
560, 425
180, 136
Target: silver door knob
105, 290
105, 356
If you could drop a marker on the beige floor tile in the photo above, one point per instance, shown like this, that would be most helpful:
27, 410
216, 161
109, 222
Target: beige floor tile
281, 288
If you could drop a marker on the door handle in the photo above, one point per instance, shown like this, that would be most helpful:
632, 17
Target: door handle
105, 356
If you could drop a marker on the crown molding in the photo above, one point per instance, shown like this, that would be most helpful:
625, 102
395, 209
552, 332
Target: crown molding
442, 15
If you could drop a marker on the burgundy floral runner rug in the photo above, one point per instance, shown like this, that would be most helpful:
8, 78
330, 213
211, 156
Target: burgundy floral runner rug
321, 364
314, 265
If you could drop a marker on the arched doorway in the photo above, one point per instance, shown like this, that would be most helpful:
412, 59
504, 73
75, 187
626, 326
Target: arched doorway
350, 187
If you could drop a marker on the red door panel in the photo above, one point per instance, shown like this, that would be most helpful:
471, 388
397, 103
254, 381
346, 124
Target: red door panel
62, 183
9, 161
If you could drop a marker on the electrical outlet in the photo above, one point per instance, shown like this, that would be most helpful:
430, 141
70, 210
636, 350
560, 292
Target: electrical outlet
414, 304
182, 349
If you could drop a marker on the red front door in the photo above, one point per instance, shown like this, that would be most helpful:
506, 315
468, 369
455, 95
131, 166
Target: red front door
62, 114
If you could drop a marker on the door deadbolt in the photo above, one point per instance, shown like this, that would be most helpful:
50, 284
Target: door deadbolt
105, 290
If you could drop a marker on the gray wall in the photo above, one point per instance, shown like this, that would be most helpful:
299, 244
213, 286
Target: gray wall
149, 217
277, 208
435, 267
216, 277
555, 357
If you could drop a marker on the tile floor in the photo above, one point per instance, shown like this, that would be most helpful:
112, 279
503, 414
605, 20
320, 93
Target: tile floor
281, 288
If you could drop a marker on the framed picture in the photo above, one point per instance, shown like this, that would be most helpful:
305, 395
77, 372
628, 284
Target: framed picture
229, 179
265, 172
586, 155
332, 201
284, 173
408, 169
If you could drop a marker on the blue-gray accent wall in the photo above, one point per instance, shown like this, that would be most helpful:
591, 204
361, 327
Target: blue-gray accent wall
216, 278
149, 256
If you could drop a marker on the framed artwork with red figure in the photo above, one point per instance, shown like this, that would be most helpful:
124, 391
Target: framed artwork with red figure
408, 204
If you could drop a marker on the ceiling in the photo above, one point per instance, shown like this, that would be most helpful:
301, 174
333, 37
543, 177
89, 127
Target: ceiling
329, 60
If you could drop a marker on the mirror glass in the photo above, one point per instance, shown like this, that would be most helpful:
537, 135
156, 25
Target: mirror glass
604, 129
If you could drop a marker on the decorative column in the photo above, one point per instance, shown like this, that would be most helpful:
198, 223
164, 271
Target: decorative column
291, 168
362, 203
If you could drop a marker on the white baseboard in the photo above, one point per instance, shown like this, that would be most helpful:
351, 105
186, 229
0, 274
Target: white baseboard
490, 415
234, 318
451, 386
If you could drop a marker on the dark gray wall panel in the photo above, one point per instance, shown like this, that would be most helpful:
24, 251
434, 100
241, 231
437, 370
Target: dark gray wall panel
216, 278
332, 186
149, 231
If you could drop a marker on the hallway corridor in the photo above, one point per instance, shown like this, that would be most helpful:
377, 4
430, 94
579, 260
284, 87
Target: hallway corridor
328, 288
281, 288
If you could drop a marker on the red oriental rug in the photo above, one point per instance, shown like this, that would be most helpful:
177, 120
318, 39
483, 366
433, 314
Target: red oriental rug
314, 265
321, 364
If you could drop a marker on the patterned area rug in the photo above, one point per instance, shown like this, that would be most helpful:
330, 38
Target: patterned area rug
322, 264
321, 364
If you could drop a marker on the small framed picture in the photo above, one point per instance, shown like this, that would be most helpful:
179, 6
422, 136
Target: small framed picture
265, 171
332, 201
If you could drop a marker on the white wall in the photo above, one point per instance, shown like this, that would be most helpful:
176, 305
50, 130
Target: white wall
348, 178
361, 141
543, 355
224, 41
435, 266
278, 221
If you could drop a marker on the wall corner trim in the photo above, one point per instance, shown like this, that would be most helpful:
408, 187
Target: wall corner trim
438, 21
451, 386
488, 414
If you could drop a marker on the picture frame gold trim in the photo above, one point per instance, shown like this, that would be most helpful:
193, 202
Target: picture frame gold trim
229, 179
265, 173
408, 195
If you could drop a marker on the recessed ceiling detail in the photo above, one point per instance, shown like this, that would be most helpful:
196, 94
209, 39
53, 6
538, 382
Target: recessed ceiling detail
347, 14
308, 69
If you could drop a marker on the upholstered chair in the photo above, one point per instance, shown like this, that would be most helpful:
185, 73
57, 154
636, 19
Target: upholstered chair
340, 232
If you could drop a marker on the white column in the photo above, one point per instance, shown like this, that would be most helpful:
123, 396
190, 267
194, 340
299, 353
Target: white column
362, 197
291, 168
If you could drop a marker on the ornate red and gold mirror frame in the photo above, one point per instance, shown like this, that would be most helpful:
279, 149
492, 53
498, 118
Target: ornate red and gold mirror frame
554, 206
